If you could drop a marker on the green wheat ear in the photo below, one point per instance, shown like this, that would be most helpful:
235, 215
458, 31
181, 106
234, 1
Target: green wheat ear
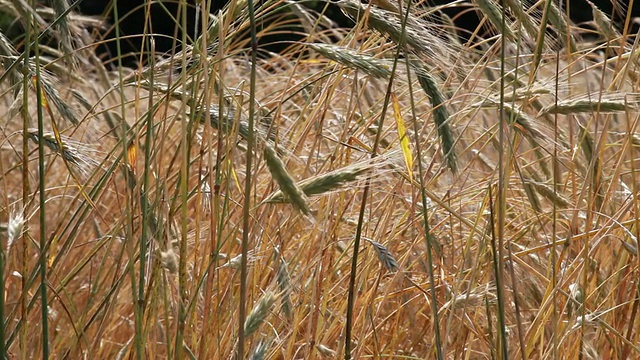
284, 180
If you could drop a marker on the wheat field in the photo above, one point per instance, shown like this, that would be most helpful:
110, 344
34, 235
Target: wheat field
387, 191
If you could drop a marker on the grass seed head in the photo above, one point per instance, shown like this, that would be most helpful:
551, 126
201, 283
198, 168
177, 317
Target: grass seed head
259, 351
73, 152
259, 313
287, 185
169, 260
385, 256
15, 227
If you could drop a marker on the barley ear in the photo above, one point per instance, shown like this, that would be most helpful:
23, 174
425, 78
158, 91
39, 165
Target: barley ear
258, 313
385, 256
286, 183
440, 117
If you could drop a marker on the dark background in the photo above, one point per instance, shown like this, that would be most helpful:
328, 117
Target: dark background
131, 17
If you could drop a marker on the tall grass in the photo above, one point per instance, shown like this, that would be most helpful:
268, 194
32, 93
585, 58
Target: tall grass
211, 203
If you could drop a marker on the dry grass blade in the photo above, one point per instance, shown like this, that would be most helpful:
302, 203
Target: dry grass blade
603, 103
385, 256
440, 117
287, 185
347, 57
259, 313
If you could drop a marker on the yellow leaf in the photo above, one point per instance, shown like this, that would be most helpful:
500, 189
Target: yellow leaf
402, 136
132, 156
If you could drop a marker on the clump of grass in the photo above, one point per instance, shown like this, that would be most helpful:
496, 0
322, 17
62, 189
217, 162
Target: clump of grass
99, 249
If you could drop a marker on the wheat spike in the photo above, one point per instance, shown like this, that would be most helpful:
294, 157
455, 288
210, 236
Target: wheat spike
286, 183
258, 313
347, 57
440, 116
385, 256
72, 151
